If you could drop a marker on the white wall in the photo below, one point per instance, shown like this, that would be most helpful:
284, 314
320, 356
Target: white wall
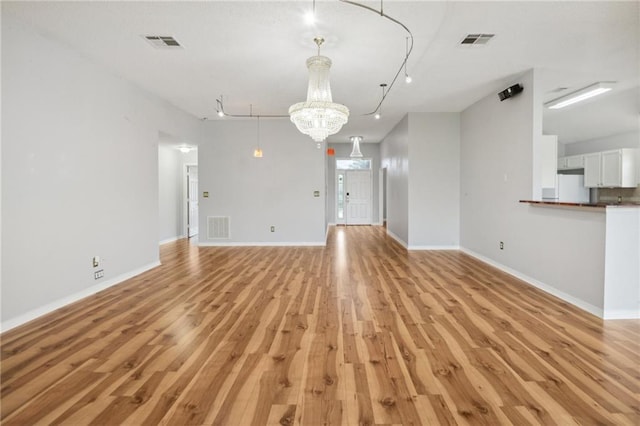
434, 180
369, 150
257, 193
79, 174
170, 193
394, 156
560, 250
624, 140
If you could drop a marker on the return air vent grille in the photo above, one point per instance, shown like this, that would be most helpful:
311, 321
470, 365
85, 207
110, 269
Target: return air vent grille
163, 42
477, 39
218, 227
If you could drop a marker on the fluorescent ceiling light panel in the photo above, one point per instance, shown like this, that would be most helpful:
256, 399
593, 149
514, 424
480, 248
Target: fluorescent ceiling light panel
580, 95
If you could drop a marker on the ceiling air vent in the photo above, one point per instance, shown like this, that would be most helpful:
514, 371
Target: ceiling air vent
162, 42
477, 38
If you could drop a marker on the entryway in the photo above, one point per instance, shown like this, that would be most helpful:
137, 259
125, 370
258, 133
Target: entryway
353, 192
192, 200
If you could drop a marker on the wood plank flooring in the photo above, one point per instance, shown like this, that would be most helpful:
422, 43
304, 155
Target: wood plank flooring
361, 332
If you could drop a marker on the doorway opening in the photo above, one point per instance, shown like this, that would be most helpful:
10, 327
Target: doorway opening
191, 200
353, 192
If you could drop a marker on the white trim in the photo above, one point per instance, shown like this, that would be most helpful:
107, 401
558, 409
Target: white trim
380, 194
50, 307
264, 244
434, 248
185, 197
538, 284
395, 237
172, 239
621, 314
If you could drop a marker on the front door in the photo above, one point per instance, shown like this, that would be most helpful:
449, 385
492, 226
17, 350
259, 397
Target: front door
357, 197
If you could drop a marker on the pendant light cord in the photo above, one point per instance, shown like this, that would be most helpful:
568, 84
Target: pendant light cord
406, 57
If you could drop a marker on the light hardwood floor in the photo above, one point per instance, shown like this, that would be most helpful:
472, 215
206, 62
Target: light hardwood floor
361, 332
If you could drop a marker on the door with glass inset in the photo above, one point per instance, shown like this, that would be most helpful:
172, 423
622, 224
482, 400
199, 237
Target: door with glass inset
353, 193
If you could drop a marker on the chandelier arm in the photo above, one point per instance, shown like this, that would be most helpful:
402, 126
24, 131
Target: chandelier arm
406, 58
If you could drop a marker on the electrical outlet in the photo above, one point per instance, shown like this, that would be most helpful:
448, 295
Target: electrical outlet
98, 274
273, 228
501, 245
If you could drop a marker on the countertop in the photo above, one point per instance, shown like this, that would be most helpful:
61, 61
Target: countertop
590, 205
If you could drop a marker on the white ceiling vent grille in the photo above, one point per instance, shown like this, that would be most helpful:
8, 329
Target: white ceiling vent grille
477, 39
218, 227
163, 42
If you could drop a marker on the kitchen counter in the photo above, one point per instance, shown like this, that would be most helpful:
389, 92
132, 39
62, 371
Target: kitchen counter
579, 205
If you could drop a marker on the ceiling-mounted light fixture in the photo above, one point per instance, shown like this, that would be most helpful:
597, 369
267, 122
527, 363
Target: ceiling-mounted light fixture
403, 64
319, 116
257, 153
220, 107
310, 16
407, 77
580, 95
378, 113
355, 152
185, 148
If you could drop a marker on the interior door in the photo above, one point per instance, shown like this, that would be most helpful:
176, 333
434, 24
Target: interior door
358, 197
192, 200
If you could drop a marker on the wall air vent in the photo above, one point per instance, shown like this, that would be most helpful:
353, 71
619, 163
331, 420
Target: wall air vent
218, 227
163, 42
477, 39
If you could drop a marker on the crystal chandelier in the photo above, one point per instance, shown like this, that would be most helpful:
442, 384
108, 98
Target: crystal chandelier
355, 152
319, 116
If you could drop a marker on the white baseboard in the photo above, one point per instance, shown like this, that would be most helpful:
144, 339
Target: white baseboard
172, 239
50, 307
398, 239
264, 244
434, 248
538, 284
621, 314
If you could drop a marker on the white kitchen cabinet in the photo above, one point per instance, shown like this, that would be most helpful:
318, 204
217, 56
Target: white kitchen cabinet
610, 169
592, 170
562, 163
575, 162
571, 162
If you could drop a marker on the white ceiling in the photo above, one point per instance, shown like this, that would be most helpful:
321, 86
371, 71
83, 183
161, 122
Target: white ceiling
254, 52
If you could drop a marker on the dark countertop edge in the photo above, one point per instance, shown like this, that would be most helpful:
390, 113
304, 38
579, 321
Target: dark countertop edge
567, 204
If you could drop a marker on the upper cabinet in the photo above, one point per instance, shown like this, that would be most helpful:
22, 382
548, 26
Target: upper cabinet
611, 169
571, 162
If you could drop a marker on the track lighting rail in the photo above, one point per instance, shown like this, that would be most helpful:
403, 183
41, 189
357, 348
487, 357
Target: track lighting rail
406, 57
